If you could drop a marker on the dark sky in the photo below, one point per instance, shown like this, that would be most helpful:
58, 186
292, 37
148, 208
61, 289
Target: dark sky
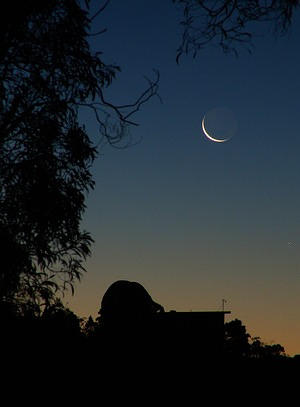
192, 220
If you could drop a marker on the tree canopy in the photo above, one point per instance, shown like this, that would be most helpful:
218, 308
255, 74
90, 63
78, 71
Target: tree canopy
239, 344
229, 23
48, 72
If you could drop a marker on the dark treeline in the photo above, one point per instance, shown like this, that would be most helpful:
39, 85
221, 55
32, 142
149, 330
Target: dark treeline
127, 326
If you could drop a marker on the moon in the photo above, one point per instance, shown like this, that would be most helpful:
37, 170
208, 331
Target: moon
209, 136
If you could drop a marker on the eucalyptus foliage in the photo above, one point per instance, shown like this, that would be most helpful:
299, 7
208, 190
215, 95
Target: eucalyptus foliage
47, 72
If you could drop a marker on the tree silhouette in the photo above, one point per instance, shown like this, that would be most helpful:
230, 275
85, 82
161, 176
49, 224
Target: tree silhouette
229, 23
47, 73
236, 340
89, 326
60, 326
240, 345
262, 351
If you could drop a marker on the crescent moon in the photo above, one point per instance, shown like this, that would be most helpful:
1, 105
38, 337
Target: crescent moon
209, 136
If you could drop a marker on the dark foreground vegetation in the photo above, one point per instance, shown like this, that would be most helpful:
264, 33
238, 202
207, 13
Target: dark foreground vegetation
129, 329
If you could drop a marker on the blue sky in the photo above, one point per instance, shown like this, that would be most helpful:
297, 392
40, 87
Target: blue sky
192, 220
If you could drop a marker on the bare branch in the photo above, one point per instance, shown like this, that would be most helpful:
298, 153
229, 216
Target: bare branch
99, 11
227, 22
114, 119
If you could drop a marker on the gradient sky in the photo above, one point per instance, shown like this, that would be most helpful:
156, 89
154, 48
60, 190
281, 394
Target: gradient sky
195, 221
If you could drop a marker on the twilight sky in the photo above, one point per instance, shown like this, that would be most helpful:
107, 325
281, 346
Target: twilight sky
195, 221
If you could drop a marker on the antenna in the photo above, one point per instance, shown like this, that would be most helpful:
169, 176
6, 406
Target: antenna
223, 304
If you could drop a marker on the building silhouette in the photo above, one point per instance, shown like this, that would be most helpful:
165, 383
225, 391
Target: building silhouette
200, 333
130, 319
